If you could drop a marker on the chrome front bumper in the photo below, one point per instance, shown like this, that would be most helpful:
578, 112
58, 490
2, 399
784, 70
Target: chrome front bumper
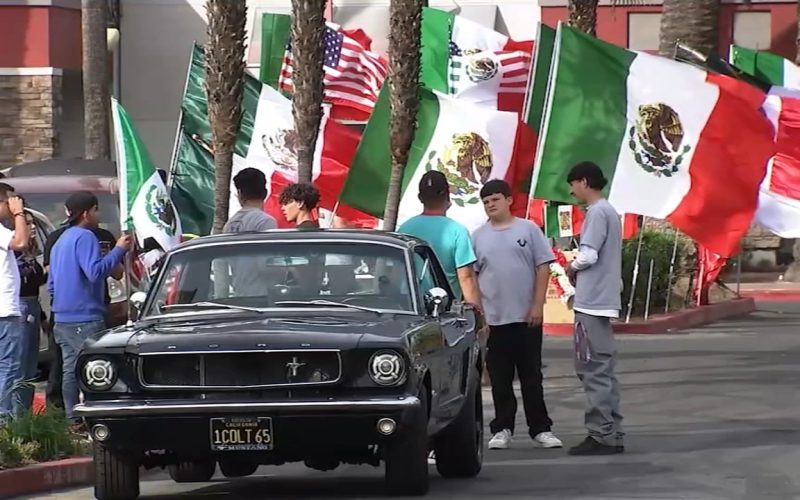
157, 408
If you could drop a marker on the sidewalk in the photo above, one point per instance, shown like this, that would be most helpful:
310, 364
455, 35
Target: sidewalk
780, 291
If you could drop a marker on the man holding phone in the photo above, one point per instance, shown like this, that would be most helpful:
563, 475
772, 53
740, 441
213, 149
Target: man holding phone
107, 240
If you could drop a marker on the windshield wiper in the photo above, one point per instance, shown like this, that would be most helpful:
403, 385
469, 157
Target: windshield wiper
329, 303
208, 305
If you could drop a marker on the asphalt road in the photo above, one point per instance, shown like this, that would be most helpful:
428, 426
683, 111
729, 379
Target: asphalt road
711, 414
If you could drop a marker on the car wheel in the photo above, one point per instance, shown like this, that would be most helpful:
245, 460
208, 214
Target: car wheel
116, 475
192, 472
406, 457
459, 447
237, 468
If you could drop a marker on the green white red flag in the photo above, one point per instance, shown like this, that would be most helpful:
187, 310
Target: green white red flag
473, 63
145, 203
665, 133
469, 143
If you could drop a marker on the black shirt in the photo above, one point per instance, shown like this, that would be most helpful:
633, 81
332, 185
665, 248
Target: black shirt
308, 224
31, 275
102, 235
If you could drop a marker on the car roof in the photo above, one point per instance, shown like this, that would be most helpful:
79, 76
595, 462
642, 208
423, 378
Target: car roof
317, 235
62, 184
63, 166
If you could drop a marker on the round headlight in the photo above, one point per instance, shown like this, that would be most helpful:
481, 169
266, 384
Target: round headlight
387, 368
99, 374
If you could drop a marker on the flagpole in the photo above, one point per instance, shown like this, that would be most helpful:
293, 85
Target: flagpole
635, 272
333, 214
649, 291
179, 127
671, 271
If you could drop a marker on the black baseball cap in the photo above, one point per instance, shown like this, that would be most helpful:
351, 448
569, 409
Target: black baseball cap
77, 204
433, 186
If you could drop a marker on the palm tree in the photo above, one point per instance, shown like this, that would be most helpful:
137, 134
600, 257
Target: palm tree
404, 64
225, 66
583, 15
694, 23
95, 80
308, 28
797, 41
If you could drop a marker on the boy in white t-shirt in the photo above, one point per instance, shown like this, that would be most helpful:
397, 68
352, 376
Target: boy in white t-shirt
12, 214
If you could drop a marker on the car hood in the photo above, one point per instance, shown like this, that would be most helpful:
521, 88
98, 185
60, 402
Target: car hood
257, 333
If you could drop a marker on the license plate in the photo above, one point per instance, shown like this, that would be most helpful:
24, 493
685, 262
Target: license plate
241, 434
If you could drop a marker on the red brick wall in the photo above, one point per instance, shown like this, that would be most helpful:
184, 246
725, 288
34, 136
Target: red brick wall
612, 23
40, 37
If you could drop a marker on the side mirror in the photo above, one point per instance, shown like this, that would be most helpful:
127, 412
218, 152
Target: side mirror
137, 300
436, 300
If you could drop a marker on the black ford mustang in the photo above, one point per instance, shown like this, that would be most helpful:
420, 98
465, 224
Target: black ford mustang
324, 347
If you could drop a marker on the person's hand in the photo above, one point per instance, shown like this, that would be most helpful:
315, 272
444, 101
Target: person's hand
15, 205
572, 275
536, 315
124, 242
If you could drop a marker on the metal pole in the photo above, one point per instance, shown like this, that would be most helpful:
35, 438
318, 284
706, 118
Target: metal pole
700, 277
671, 271
738, 274
649, 290
635, 272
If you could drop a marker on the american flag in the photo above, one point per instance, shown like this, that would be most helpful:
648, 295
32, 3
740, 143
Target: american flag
353, 74
513, 70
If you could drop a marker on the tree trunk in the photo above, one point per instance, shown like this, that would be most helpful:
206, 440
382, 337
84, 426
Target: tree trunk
797, 39
96, 103
404, 65
308, 28
225, 66
694, 23
583, 15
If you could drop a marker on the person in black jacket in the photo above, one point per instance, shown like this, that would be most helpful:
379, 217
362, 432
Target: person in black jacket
32, 277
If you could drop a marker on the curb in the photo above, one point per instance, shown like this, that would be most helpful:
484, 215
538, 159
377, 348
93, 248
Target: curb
672, 322
46, 476
774, 295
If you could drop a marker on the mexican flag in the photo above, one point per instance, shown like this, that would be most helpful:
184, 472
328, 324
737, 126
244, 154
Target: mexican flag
779, 196
144, 201
469, 143
473, 63
665, 133
266, 141
766, 66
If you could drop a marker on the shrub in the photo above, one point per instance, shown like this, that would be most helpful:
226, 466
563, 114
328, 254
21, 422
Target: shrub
657, 245
37, 437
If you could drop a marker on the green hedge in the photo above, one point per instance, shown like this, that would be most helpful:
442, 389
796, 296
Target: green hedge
656, 245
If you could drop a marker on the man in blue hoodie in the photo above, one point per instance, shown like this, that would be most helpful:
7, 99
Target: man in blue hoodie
77, 281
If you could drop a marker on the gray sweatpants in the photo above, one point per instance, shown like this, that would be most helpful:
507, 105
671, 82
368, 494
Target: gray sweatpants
595, 354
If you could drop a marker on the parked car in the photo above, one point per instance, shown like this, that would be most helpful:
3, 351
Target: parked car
324, 347
47, 193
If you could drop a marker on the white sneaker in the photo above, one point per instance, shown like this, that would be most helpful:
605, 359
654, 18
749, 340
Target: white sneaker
432, 458
547, 440
501, 440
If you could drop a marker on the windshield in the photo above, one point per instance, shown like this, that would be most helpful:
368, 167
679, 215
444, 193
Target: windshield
52, 205
277, 275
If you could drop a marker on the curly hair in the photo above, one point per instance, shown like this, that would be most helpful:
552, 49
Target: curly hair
301, 192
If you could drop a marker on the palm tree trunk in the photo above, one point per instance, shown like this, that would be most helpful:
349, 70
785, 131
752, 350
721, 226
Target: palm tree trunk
225, 66
96, 104
797, 41
583, 15
404, 65
694, 23
308, 28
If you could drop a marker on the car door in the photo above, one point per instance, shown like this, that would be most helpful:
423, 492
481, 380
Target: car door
454, 330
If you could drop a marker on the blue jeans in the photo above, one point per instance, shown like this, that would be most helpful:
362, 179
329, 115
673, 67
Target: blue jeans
70, 337
22, 400
10, 352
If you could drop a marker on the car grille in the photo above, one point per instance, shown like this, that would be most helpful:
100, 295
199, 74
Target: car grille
240, 369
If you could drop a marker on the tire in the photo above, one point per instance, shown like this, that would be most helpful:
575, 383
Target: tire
459, 447
116, 475
406, 457
237, 468
192, 472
